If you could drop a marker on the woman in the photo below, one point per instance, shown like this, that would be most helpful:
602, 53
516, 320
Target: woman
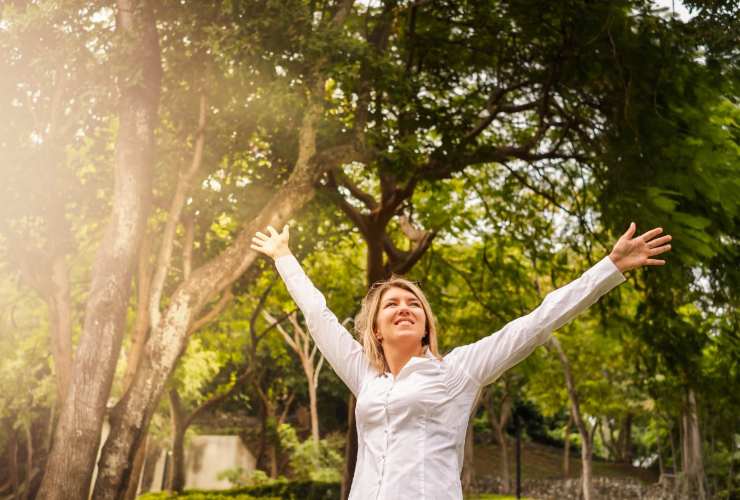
412, 404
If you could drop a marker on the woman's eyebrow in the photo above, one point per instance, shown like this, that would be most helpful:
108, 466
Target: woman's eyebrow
396, 299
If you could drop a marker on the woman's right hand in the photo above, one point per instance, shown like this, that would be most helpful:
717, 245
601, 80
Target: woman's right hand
275, 245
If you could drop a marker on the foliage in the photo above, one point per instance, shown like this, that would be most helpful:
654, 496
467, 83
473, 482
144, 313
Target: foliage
240, 478
202, 495
310, 461
26, 381
286, 490
608, 113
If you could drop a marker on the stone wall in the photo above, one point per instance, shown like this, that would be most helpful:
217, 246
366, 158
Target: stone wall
205, 457
570, 489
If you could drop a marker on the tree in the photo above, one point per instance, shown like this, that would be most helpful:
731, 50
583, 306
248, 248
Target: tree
77, 433
447, 130
587, 437
55, 99
499, 401
300, 343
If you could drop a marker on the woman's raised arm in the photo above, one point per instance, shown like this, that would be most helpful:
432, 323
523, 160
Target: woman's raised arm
337, 345
487, 359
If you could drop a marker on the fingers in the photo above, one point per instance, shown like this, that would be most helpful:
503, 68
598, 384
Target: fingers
260, 236
273, 232
654, 262
659, 241
659, 250
651, 234
630, 231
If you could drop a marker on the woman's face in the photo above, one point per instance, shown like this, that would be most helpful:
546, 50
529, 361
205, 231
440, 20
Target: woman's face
401, 318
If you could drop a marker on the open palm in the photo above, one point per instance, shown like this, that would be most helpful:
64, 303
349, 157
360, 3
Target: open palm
630, 253
275, 245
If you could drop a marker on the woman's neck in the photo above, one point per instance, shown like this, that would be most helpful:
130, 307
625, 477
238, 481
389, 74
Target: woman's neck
398, 356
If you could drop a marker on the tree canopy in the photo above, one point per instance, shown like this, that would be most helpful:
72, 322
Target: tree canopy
491, 150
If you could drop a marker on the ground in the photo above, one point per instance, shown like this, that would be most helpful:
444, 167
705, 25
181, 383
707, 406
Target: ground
545, 462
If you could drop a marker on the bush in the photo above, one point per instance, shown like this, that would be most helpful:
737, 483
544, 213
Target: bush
203, 495
297, 490
239, 478
309, 462
277, 490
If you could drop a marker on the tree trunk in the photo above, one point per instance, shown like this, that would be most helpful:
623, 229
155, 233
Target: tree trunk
586, 466
72, 457
29, 463
504, 459
498, 421
468, 471
176, 476
60, 317
269, 433
169, 336
586, 436
306, 350
272, 456
350, 449
153, 452
138, 338
313, 405
607, 438
674, 453
624, 444
141, 327
693, 465
566, 447
137, 468
13, 459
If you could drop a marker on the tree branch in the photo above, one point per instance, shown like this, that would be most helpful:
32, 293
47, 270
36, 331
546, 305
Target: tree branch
214, 313
359, 194
178, 201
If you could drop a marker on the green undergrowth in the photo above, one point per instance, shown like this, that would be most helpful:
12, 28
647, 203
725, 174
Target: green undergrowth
277, 490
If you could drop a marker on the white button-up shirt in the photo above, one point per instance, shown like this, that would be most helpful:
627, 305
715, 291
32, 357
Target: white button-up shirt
411, 427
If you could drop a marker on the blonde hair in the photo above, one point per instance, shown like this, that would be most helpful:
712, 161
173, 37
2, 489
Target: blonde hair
368, 315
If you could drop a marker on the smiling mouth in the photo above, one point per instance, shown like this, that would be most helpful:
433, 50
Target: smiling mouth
404, 320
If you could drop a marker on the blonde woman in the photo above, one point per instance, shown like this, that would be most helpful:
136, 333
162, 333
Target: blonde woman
413, 404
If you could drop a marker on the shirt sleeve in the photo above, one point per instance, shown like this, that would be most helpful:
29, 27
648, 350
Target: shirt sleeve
487, 359
341, 350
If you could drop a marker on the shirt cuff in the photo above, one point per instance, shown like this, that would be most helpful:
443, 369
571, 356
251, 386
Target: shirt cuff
609, 273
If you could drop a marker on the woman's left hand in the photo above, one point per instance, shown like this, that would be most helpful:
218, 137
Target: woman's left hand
630, 253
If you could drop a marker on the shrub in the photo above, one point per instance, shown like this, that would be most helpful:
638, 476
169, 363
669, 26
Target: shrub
297, 490
203, 495
277, 490
239, 478
308, 462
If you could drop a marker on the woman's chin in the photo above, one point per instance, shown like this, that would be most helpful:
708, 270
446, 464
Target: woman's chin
404, 337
